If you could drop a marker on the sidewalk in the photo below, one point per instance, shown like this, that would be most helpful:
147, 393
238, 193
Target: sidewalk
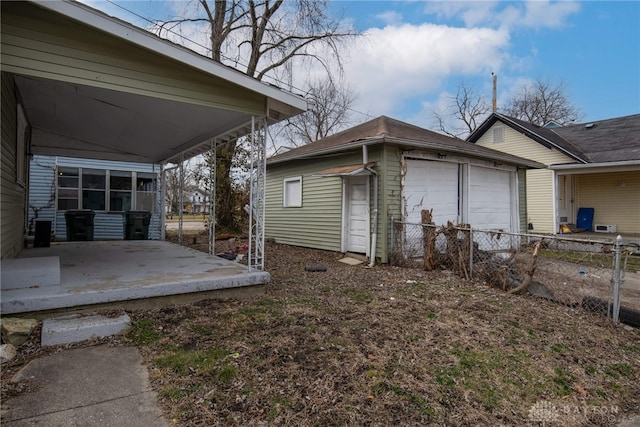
93, 386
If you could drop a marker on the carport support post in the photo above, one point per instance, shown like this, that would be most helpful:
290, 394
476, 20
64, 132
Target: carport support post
617, 279
212, 197
180, 197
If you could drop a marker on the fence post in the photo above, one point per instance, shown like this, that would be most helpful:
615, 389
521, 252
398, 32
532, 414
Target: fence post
470, 252
617, 279
392, 238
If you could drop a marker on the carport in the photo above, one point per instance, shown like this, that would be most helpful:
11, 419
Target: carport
79, 83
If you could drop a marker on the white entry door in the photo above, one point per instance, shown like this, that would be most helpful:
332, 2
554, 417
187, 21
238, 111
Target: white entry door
357, 214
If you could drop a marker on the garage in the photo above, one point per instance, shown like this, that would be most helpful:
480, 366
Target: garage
491, 197
430, 184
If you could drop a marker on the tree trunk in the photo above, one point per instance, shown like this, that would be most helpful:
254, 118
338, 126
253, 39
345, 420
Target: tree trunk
224, 191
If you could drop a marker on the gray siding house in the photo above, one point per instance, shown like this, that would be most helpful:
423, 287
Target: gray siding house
59, 184
340, 193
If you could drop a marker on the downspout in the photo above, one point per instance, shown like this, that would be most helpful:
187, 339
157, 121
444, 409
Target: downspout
374, 235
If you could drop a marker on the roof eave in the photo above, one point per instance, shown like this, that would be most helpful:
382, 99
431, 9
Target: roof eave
126, 31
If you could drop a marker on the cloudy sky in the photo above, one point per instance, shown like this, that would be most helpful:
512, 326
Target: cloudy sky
414, 54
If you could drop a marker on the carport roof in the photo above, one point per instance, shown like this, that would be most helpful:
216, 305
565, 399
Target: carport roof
112, 112
387, 130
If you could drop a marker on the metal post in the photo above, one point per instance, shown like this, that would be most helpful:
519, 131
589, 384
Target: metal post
212, 197
257, 207
162, 199
180, 197
470, 252
617, 279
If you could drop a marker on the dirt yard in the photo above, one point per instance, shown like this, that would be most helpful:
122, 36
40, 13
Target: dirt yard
384, 346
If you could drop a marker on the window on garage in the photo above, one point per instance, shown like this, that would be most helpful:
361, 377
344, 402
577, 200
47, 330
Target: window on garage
292, 192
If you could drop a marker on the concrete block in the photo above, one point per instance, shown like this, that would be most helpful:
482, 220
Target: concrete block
70, 329
38, 272
16, 330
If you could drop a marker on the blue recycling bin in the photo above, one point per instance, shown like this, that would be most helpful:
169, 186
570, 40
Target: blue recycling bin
585, 219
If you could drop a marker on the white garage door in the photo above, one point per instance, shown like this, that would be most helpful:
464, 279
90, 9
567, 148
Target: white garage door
490, 199
431, 185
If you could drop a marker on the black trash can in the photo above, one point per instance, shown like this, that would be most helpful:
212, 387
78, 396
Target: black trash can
42, 238
79, 224
137, 225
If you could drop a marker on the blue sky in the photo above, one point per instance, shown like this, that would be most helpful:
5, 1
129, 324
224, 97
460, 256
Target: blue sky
414, 54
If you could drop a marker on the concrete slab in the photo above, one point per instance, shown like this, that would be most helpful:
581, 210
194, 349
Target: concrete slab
20, 273
105, 386
98, 272
75, 328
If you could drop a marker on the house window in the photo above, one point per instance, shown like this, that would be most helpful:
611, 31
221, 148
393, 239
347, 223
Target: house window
120, 191
94, 189
145, 191
292, 192
498, 134
22, 136
68, 179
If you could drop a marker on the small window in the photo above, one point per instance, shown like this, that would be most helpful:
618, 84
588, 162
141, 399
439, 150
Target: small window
498, 134
292, 192
93, 189
120, 191
22, 136
67, 188
145, 191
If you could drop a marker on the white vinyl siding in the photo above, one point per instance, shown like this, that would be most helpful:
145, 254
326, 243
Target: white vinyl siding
615, 197
12, 194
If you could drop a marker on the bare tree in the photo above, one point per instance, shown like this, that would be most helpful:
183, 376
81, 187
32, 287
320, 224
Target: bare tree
467, 109
542, 102
329, 105
269, 35
172, 186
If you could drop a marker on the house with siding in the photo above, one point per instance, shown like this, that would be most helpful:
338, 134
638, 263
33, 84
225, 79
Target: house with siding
594, 166
341, 192
78, 83
108, 188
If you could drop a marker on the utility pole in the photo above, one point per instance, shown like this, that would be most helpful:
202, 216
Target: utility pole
494, 98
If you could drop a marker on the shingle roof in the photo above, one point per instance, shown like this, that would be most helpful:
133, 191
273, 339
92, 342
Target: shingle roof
387, 130
602, 141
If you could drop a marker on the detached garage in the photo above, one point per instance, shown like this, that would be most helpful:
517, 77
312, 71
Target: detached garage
349, 186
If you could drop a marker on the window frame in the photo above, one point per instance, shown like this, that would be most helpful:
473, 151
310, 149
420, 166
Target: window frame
286, 193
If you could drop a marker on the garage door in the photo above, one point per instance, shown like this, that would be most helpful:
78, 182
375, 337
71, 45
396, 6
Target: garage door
490, 199
431, 185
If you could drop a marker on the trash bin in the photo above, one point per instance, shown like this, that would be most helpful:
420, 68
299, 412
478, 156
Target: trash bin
79, 224
137, 225
42, 238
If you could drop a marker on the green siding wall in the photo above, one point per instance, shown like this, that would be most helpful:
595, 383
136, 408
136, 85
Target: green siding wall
12, 194
39, 43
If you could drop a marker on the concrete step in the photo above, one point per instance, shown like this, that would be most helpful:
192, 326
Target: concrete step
76, 328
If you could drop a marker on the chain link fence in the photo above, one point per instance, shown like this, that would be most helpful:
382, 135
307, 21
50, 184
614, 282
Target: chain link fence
599, 276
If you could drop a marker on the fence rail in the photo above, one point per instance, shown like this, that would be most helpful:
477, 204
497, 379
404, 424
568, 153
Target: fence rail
584, 273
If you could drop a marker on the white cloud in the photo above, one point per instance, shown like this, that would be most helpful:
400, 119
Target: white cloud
390, 17
395, 64
527, 14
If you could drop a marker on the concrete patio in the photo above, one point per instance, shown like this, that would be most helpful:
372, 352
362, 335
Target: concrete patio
76, 274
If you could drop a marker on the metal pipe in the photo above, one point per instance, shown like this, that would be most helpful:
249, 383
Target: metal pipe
617, 279
374, 235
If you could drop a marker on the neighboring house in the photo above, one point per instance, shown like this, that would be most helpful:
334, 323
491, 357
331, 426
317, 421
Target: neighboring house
198, 201
341, 192
109, 188
594, 165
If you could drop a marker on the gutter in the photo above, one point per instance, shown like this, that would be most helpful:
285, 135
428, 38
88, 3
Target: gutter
628, 164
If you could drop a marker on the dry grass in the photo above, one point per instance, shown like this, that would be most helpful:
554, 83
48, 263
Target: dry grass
379, 347
385, 346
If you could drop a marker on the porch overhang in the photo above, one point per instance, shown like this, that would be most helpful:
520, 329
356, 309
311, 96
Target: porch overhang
93, 86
